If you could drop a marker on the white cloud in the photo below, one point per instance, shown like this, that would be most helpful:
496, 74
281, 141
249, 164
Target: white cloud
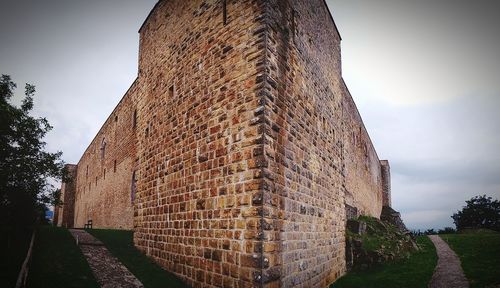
416, 52
424, 219
424, 75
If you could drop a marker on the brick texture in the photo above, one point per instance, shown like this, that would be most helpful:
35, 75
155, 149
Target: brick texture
245, 146
199, 200
105, 171
386, 183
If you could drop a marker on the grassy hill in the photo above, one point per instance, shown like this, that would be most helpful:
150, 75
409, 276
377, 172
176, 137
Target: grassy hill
479, 252
412, 272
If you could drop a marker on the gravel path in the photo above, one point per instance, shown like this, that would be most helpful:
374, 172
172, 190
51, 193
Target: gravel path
108, 271
448, 272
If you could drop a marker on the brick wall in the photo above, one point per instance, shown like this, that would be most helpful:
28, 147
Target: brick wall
104, 178
363, 178
199, 141
304, 143
293, 160
386, 182
246, 147
308, 118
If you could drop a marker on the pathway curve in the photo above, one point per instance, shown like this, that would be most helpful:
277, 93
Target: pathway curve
448, 272
108, 271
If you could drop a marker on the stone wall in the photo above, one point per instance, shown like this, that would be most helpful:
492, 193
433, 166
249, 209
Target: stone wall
238, 149
199, 141
386, 183
256, 108
105, 171
363, 178
305, 143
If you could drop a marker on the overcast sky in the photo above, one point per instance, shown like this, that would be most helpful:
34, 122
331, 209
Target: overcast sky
425, 75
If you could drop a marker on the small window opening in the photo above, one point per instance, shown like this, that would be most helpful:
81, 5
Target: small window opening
104, 174
114, 166
224, 12
103, 148
116, 118
87, 173
95, 181
133, 187
134, 120
359, 138
171, 92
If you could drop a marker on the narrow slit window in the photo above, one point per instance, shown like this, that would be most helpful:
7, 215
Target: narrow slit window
114, 166
359, 137
134, 119
224, 12
103, 148
171, 92
133, 187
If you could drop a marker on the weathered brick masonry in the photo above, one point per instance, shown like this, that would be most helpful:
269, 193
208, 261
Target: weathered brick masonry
238, 152
101, 186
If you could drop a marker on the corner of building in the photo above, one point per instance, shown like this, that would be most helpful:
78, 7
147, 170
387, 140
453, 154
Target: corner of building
64, 213
386, 182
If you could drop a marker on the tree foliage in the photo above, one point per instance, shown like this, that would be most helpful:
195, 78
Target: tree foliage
447, 230
25, 166
480, 212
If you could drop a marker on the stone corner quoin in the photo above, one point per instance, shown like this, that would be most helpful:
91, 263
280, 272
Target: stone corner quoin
237, 154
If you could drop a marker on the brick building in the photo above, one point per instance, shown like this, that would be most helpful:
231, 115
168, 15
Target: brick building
237, 153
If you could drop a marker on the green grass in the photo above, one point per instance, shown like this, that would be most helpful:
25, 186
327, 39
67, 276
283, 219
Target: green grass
381, 242
57, 261
14, 245
416, 271
479, 253
379, 235
120, 244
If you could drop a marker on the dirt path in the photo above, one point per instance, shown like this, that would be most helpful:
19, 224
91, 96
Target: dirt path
448, 272
108, 271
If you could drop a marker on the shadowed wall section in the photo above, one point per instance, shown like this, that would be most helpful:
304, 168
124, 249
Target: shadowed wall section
65, 213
